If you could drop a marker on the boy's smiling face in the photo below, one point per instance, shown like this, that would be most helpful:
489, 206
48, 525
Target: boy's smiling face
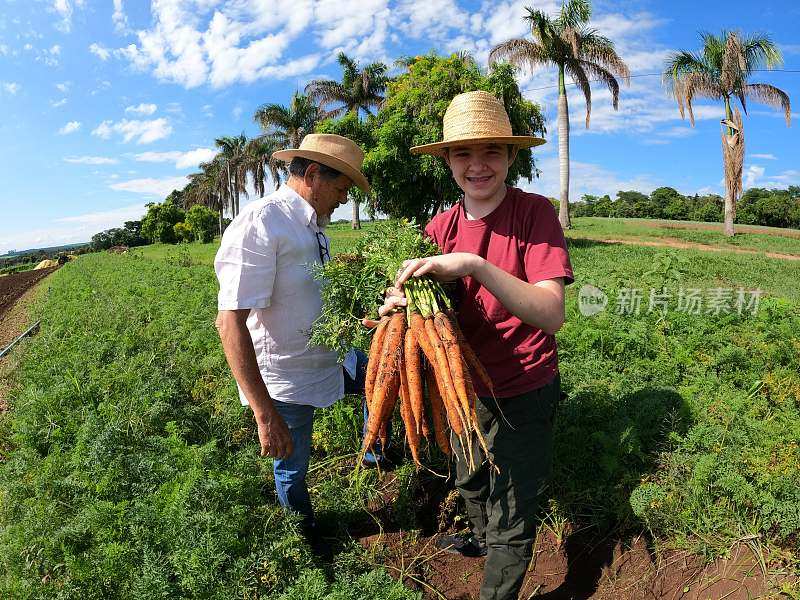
480, 170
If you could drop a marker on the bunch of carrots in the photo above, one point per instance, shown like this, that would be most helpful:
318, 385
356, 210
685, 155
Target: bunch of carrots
397, 372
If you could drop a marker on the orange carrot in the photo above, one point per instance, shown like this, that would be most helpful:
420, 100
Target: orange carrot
470, 356
445, 330
445, 380
375, 353
437, 412
418, 327
413, 373
387, 381
407, 415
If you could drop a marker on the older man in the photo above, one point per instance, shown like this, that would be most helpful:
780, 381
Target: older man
268, 300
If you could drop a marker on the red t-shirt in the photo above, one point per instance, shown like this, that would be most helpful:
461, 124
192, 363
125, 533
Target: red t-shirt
523, 237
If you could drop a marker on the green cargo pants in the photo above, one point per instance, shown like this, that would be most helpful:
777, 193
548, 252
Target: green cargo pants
503, 506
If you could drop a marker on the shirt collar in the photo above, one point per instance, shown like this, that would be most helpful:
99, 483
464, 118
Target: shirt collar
301, 209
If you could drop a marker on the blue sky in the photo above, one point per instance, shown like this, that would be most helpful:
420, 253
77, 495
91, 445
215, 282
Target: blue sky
108, 105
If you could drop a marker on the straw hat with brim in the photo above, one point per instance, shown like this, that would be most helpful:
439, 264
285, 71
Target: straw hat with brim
333, 151
477, 118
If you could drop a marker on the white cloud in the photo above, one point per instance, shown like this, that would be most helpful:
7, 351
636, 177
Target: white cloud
49, 56
144, 132
64, 9
752, 175
151, 187
4, 50
780, 181
182, 160
763, 156
142, 109
70, 127
119, 18
11, 87
99, 51
63, 87
58, 103
196, 42
90, 160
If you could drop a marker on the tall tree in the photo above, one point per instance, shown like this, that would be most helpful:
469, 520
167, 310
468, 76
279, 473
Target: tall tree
358, 91
258, 162
406, 185
203, 188
567, 43
232, 159
288, 125
721, 72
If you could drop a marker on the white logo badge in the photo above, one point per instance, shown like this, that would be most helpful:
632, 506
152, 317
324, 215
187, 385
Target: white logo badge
591, 300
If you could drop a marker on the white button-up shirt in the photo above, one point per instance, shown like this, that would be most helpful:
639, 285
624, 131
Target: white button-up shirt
262, 264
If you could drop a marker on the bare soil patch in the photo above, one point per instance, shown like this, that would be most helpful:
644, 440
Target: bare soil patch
12, 287
675, 243
579, 568
578, 565
16, 293
791, 233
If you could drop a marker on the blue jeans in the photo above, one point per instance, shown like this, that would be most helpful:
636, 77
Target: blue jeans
290, 473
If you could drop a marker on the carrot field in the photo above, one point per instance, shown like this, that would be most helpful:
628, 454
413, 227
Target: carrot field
131, 471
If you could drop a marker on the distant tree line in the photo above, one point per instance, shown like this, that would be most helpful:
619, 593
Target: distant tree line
165, 222
757, 206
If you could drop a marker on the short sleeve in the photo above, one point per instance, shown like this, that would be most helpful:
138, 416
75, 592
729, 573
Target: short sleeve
430, 233
245, 265
546, 255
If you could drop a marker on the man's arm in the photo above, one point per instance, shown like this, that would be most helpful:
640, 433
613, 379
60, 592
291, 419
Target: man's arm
276, 441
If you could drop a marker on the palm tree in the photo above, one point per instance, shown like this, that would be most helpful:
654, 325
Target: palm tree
203, 189
258, 162
232, 155
288, 125
567, 43
359, 91
721, 72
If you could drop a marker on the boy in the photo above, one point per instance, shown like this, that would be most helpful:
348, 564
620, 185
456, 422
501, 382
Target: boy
508, 251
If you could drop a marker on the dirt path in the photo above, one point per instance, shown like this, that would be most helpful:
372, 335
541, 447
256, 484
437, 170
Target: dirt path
673, 243
16, 296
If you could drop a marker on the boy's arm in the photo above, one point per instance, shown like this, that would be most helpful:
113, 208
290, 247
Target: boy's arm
539, 304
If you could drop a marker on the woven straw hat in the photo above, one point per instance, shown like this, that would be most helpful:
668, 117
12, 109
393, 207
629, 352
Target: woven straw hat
477, 118
333, 151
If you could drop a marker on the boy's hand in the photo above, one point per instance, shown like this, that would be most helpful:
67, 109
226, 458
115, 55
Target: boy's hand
445, 267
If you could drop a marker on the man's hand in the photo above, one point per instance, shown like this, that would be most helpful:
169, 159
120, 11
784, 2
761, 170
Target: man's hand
276, 441
445, 267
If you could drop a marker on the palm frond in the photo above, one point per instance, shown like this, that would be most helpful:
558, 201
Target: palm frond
576, 71
574, 14
760, 51
771, 96
519, 52
596, 71
600, 50
700, 84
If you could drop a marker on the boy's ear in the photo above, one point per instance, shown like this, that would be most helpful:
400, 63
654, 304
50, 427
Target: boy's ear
512, 154
446, 156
